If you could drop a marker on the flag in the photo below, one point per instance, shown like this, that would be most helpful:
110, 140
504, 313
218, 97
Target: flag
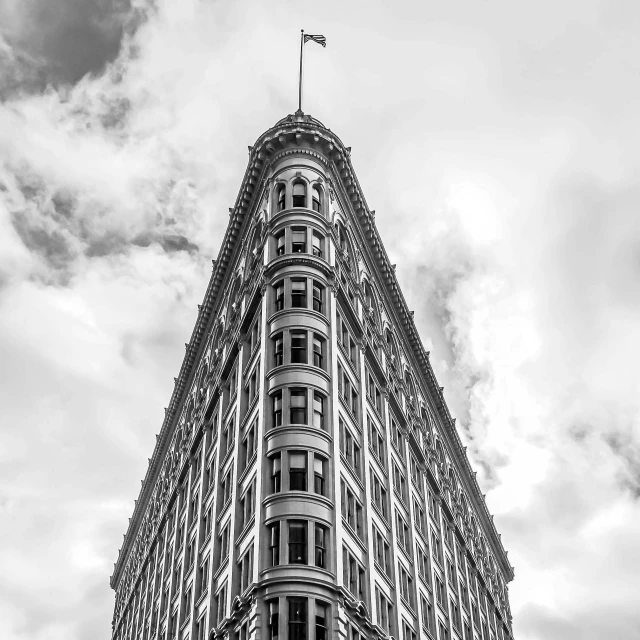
319, 39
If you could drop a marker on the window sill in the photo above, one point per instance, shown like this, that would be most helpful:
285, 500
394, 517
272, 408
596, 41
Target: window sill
245, 530
248, 469
252, 358
223, 511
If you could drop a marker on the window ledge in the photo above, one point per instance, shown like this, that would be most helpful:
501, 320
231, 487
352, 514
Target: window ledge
248, 469
245, 530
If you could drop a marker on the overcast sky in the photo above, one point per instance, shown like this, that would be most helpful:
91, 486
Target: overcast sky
498, 143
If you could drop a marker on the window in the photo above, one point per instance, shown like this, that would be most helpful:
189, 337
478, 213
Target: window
297, 406
277, 408
318, 351
382, 552
246, 565
299, 347
353, 575
352, 510
439, 590
403, 533
321, 621
319, 475
418, 515
349, 448
297, 542
297, 618
318, 410
385, 612
321, 546
228, 435
222, 603
186, 600
203, 576
275, 473
298, 293
224, 544
225, 488
433, 505
345, 340
424, 566
298, 240
426, 613
252, 386
318, 295
455, 614
347, 391
248, 445
280, 243
399, 483
317, 242
396, 435
297, 471
379, 494
436, 546
443, 631
299, 194
376, 441
247, 504
274, 544
451, 573
406, 585
273, 620
279, 289
315, 198
281, 192
407, 632
207, 522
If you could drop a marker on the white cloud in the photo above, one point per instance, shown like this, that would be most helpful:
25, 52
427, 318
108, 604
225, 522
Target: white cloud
503, 137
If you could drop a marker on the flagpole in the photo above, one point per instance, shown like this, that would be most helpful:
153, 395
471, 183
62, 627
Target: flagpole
300, 77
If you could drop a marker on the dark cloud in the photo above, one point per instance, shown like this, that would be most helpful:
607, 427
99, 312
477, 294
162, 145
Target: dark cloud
60, 41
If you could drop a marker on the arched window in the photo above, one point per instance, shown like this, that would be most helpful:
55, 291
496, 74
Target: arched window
315, 198
281, 193
299, 194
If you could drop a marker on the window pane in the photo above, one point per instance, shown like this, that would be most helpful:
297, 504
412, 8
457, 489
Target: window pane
297, 619
318, 411
299, 347
297, 542
298, 406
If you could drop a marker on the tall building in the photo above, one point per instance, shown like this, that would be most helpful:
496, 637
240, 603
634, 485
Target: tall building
308, 482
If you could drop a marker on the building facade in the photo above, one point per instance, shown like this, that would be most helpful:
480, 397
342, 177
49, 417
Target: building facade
308, 482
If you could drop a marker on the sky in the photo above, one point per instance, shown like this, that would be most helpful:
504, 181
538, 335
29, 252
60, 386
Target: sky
498, 143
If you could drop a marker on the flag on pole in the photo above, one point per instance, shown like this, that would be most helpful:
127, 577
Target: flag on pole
319, 39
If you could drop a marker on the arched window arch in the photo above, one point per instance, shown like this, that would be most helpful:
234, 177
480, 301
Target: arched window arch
392, 347
411, 387
281, 196
299, 194
370, 301
316, 198
233, 305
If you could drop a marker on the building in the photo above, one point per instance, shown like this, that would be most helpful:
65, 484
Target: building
308, 482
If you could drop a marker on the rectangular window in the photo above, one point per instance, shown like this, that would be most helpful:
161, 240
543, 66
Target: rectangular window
319, 475
436, 546
298, 471
297, 542
385, 612
274, 544
207, 520
318, 351
297, 406
299, 347
277, 408
317, 239
279, 290
379, 494
321, 621
222, 603
246, 566
424, 567
203, 577
407, 632
403, 533
399, 483
278, 350
280, 242
349, 447
318, 411
382, 552
247, 504
439, 590
419, 518
298, 293
406, 586
273, 620
376, 441
318, 295
224, 544
248, 446
276, 470
426, 612
352, 510
297, 618
298, 240
320, 546
354, 575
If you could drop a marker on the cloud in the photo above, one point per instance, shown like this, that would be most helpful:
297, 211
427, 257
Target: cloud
504, 141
